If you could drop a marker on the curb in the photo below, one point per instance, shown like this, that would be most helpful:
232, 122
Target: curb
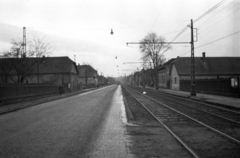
128, 111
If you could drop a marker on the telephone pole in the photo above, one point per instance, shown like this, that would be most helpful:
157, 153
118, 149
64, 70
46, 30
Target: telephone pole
193, 92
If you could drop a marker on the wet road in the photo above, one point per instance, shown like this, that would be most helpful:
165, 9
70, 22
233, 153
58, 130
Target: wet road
85, 125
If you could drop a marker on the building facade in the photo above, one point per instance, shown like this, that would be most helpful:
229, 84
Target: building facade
213, 75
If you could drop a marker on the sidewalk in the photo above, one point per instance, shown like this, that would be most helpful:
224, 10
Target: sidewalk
207, 98
21, 105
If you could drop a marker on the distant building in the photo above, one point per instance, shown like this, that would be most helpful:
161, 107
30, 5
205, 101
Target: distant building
146, 77
136, 78
61, 71
215, 75
87, 76
102, 80
163, 74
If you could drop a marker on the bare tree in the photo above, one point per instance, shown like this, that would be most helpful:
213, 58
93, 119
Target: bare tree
38, 46
16, 60
153, 48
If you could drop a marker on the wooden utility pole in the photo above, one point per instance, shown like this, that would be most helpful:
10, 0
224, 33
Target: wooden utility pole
193, 92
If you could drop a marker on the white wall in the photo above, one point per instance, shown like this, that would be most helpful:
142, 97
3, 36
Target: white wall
174, 79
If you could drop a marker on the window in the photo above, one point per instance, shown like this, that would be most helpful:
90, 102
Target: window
175, 80
234, 82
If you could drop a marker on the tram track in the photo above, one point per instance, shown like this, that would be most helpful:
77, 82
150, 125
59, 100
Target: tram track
197, 137
223, 124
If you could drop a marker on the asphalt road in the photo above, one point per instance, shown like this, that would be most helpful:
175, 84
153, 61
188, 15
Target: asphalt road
68, 127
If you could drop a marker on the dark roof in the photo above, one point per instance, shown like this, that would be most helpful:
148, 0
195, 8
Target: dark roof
209, 65
166, 63
47, 65
57, 65
136, 73
86, 70
90, 68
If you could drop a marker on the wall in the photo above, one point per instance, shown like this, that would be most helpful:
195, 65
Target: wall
174, 82
162, 78
211, 86
23, 90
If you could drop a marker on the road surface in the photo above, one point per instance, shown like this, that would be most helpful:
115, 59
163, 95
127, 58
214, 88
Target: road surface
85, 125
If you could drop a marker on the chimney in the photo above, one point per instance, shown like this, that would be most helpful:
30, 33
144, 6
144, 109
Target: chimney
203, 55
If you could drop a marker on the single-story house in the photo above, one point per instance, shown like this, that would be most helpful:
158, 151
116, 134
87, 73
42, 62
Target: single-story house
215, 75
45, 70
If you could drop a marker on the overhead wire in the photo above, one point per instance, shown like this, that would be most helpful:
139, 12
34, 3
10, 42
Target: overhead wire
158, 15
219, 39
219, 20
200, 17
210, 10
216, 14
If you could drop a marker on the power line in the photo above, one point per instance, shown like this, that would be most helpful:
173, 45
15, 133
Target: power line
158, 14
200, 17
219, 39
219, 20
213, 42
209, 11
215, 14
183, 30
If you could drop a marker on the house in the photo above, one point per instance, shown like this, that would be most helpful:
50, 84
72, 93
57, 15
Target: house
136, 78
142, 78
87, 76
46, 70
130, 80
146, 77
214, 75
163, 74
102, 80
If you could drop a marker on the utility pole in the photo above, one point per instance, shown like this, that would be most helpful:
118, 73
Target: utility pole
193, 92
24, 43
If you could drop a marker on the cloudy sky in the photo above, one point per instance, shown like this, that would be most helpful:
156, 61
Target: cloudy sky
82, 28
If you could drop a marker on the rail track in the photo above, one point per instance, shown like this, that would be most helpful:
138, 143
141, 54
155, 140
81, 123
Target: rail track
208, 137
224, 120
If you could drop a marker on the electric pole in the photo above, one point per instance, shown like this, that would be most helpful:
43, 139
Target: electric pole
24, 42
192, 65
193, 92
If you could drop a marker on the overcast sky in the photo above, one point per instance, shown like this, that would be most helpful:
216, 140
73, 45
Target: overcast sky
82, 28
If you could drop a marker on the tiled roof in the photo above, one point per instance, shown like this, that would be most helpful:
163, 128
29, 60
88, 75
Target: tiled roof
209, 65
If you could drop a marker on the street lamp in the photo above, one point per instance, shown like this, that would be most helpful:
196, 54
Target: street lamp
111, 32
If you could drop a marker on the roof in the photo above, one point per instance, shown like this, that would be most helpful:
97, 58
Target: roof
208, 65
166, 64
89, 67
86, 71
47, 65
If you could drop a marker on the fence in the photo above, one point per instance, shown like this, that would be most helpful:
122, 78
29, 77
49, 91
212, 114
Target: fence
11, 91
211, 86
